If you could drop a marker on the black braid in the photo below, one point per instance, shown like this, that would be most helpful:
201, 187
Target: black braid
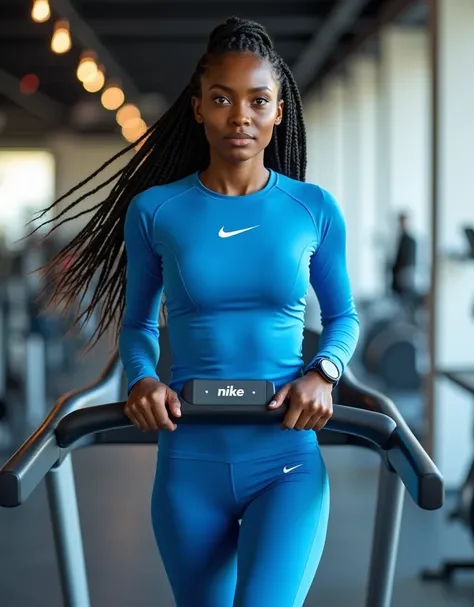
172, 148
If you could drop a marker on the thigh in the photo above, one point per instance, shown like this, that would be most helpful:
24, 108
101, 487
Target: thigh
196, 531
282, 535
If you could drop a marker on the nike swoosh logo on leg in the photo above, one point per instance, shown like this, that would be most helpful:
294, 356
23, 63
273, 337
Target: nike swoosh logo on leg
224, 234
286, 470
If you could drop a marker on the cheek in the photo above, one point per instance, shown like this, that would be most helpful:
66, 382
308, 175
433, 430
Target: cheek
214, 121
212, 128
266, 121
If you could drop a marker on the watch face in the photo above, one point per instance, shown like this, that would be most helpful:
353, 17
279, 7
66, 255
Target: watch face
330, 369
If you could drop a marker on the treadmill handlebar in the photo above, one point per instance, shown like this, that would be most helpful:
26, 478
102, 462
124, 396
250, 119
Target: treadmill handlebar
25, 470
374, 427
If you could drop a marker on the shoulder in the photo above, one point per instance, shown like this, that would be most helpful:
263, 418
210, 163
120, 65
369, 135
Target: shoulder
149, 201
320, 204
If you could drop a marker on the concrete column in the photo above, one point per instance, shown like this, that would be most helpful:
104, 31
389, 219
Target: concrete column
454, 295
316, 143
312, 106
324, 116
360, 162
403, 138
350, 180
332, 118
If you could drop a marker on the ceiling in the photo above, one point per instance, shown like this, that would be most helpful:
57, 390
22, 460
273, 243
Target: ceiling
151, 47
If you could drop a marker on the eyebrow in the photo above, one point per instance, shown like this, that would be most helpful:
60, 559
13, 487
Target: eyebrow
257, 89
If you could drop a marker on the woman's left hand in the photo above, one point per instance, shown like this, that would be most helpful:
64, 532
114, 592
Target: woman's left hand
310, 402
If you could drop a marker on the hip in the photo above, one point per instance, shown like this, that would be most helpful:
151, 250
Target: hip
234, 443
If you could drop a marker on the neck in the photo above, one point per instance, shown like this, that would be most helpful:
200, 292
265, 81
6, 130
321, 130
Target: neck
237, 179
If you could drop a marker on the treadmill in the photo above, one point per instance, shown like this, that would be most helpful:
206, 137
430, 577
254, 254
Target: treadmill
93, 415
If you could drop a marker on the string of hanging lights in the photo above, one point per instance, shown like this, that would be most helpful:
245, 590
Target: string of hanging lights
92, 75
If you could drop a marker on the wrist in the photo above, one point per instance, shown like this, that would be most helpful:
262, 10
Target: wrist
314, 374
143, 381
325, 368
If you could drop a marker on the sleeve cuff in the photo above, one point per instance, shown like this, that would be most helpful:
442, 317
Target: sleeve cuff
139, 378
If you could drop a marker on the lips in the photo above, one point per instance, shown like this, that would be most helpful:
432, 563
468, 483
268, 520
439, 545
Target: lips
240, 136
240, 140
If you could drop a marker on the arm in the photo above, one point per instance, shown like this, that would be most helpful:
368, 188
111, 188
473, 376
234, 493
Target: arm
330, 280
138, 341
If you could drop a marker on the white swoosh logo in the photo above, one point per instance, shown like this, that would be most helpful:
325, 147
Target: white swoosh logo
286, 470
224, 234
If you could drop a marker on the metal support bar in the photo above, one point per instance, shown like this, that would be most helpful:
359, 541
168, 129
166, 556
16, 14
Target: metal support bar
366, 33
3, 349
343, 16
386, 537
67, 534
35, 380
164, 28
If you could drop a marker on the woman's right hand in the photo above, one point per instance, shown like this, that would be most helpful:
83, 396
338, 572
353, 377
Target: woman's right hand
147, 405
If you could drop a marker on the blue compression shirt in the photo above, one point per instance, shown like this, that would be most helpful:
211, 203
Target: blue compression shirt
236, 270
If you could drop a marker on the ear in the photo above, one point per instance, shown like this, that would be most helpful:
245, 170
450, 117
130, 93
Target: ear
196, 102
279, 115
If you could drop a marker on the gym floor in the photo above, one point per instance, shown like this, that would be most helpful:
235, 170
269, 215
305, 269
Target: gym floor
124, 568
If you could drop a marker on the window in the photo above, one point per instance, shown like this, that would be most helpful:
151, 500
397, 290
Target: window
27, 185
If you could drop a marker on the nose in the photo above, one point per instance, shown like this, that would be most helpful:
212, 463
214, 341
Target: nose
240, 117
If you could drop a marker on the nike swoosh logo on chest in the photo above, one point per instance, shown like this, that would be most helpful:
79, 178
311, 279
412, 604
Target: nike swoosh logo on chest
224, 234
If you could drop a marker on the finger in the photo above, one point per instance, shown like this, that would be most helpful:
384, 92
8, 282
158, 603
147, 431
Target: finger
167, 423
315, 410
323, 420
174, 404
131, 416
146, 409
162, 417
280, 396
312, 422
294, 411
140, 420
158, 408
303, 419
161, 413
154, 408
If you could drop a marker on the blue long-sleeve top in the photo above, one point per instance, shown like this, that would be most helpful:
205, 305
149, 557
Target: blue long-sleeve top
235, 270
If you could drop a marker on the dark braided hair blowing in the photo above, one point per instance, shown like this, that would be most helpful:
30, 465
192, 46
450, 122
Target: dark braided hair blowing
172, 148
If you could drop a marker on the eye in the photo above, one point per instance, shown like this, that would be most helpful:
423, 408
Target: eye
220, 100
261, 101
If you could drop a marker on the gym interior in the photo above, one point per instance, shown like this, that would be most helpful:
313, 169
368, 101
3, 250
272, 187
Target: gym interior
388, 110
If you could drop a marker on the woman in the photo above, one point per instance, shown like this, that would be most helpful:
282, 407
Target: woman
213, 209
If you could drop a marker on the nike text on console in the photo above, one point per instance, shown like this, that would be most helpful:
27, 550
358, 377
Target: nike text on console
230, 391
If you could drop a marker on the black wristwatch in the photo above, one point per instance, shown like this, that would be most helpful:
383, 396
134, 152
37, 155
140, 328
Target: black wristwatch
327, 369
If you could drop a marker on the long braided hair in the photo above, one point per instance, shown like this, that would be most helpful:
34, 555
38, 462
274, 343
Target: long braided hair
172, 148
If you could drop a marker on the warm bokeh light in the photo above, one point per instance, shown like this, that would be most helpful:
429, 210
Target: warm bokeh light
95, 85
127, 112
40, 11
61, 40
133, 129
87, 68
29, 84
112, 98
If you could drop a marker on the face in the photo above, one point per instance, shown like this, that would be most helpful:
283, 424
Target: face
238, 106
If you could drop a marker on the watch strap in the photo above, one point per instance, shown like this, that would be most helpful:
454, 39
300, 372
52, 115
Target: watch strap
317, 366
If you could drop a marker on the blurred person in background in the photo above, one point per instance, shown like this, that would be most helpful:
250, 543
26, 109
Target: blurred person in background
403, 268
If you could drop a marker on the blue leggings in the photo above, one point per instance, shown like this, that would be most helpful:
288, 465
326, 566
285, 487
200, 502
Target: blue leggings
249, 534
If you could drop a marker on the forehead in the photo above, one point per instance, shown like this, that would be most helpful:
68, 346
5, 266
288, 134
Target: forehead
239, 70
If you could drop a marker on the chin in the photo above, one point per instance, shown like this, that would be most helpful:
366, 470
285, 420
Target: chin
240, 155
